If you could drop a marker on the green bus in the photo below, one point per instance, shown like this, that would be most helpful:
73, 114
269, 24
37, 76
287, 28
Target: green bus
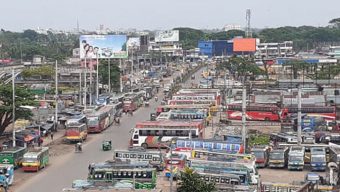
13, 156
143, 177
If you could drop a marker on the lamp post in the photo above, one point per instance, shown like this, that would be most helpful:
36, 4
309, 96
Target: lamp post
13, 104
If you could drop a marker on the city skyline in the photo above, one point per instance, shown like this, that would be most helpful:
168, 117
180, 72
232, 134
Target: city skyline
154, 15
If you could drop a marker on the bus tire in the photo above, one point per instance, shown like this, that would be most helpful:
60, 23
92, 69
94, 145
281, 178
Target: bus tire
144, 145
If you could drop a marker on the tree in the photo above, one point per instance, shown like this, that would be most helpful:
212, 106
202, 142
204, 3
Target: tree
114, 73
190, 181
45, 71
23, 97
241, 67
296, 66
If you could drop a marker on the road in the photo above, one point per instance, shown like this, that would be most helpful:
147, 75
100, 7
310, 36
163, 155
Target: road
73, 166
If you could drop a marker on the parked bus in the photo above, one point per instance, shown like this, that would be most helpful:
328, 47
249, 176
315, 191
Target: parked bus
35, 159
167, 108
215, 92
184, 114
195, 97
175, 161
76, 119
76, 132
155, 158
101, 119
224, 181
12, 156
226, 165
327, 112
261, 154
172, 124
254, 112
278, 157
210, 144
130, 102
205, 154
139, 173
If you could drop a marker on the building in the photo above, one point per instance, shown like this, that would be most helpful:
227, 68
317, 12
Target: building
230, 27
334, 52
274, 50
213, 48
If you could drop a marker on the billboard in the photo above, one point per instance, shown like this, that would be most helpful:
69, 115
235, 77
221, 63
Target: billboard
105, 46
244, 45
167, 36
133, 43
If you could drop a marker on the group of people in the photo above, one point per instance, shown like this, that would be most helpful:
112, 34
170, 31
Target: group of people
89, 50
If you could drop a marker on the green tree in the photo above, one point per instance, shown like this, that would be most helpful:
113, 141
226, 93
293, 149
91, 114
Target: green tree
297, 66
241, 67
23, 97
190, 181
45, 71
103, 71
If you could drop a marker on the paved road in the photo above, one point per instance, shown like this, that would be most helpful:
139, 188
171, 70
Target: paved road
74, 166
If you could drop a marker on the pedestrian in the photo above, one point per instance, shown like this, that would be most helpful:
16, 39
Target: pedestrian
131, 112
52, 136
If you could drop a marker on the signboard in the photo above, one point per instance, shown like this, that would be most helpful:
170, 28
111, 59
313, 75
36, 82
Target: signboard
103, 46
133, 43
244, 45
167, 36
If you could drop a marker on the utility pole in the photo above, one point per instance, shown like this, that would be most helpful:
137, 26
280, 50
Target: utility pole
80, 88
109, 78
132, 61
56, 96
90, 89
120, 76
97, 79
85, 88
13, 104
299, 116
171, 167
244, 132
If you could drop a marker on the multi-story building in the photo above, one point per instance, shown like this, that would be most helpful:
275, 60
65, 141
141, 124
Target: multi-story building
213, 48
274, 50
334, 52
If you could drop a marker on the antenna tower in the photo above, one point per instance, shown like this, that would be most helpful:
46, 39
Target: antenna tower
248, 30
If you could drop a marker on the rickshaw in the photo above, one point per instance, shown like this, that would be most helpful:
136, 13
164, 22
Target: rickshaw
107, 145
146, 103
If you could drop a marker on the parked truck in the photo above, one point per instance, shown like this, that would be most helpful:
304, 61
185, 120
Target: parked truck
296, 158
318, 158
278, 158
261, 154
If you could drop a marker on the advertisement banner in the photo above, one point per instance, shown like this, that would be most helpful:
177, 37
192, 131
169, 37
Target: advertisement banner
167, 36
103, 46
133, 43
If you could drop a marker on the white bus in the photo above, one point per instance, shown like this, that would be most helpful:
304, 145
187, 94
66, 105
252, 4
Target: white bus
153, 137
155, 158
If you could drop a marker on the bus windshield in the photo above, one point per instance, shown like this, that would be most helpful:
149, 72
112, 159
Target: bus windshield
295, 158
259, 154
30, 159
276, 155
318, 159
92, 121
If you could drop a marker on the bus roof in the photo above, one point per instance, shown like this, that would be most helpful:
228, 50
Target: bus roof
170, 123
12, 150
196, 106
101, 110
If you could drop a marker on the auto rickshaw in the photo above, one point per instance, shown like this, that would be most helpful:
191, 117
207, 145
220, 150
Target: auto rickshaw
107, 145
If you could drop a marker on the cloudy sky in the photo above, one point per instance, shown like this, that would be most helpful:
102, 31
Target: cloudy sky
163, 14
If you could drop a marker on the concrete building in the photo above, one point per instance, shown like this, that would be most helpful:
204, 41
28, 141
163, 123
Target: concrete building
334, 52
230, 27
274, 50
213, 48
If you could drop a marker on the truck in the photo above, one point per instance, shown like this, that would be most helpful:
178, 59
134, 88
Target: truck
278, 158
12, 156
35, 159
296, 158
261, 154
318, 158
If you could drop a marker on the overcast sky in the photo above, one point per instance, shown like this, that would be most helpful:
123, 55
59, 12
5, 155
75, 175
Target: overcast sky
163, 14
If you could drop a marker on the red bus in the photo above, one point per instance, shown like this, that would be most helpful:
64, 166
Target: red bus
101, 119
256, 112
327, 112
130, 102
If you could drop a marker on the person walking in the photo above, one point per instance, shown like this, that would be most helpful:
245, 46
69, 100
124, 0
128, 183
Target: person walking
52, 136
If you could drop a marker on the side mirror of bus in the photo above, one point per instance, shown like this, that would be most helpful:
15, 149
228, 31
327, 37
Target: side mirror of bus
131, 130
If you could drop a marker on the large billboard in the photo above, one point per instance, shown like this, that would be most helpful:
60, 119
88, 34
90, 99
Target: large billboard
167, 36
244, 45
133, 43
105, 46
